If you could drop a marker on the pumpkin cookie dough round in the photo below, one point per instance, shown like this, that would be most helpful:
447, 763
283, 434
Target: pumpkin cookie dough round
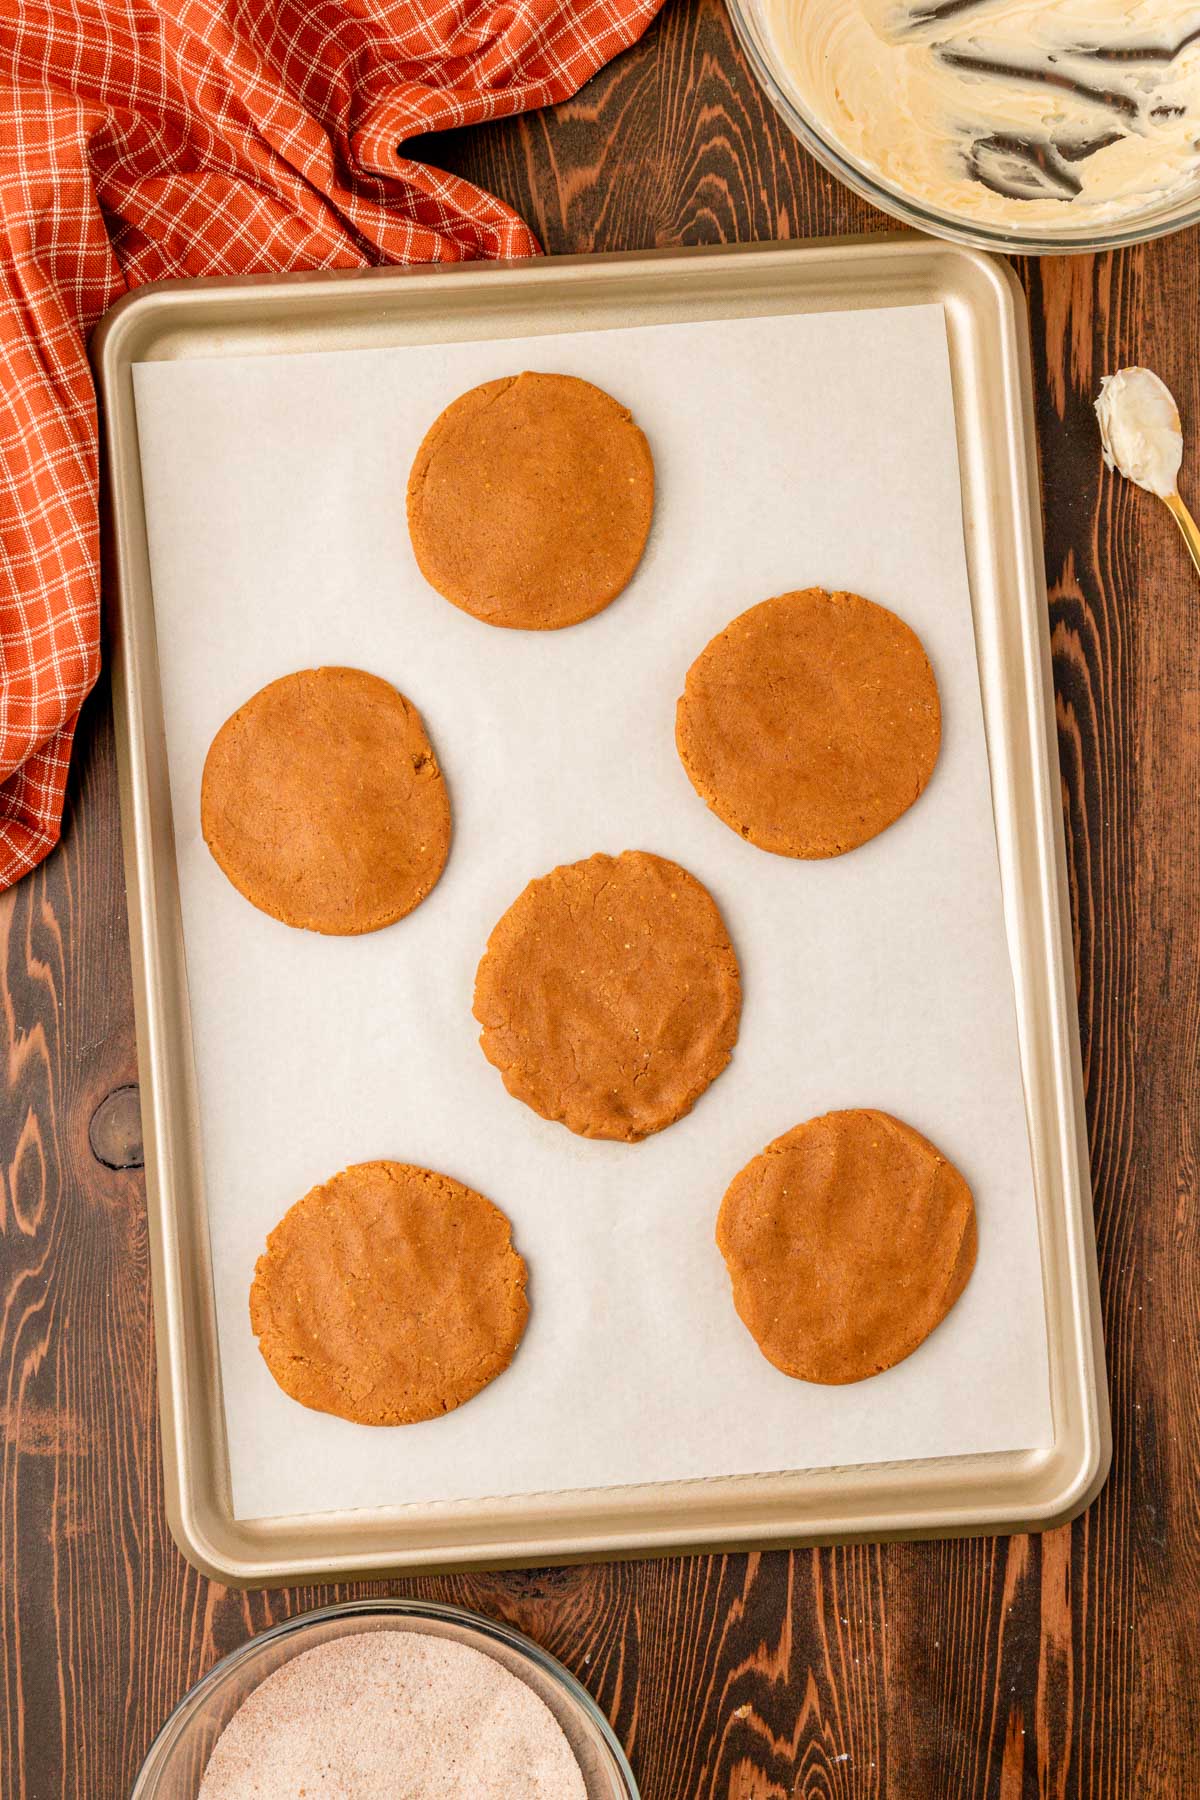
609, 995
810, 723
847, 1241
323, 802
389, 1294
530, 500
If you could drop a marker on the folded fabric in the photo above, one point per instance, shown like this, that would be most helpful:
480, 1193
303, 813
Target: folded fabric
149, 138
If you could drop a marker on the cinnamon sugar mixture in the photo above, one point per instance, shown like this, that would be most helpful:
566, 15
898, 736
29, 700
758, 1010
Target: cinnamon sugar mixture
392, 1715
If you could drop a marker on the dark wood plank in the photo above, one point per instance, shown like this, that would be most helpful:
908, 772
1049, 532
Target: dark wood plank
1060, 1667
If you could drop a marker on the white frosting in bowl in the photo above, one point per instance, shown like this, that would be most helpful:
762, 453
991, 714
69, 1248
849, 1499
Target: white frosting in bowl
1017, 113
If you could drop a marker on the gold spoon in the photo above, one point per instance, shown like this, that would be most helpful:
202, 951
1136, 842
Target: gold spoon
1186, 524
1143, 438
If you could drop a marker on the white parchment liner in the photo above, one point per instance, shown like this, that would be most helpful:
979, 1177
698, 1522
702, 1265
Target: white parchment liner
789, 451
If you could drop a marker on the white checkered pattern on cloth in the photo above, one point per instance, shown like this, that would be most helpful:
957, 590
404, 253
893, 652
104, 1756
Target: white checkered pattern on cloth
147, 138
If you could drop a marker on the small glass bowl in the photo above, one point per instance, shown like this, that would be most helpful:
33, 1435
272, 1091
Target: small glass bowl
179, 1754
1041, 239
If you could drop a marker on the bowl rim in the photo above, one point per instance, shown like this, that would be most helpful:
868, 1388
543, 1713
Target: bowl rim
400, 1607
890, 199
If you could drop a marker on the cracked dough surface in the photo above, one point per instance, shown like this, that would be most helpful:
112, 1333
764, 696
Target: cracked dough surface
323, 803
609, 995
847, 1241
530, 499
389, 1294
810, 723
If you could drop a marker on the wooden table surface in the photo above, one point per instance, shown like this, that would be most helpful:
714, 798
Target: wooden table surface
1061, 1665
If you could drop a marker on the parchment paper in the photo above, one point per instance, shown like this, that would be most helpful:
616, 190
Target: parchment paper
789, 451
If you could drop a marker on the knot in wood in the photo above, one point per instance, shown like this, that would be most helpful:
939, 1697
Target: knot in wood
115, 1130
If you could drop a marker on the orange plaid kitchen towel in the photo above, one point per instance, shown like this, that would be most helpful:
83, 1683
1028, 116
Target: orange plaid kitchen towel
146, 138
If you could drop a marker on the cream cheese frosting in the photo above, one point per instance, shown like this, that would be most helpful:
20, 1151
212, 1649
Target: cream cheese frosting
1016, 113
1140, 429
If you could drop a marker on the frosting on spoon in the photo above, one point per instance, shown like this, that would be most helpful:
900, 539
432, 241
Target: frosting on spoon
1140, 429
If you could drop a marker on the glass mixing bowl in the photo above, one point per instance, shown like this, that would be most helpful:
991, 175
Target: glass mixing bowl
1040, 239
180, 1752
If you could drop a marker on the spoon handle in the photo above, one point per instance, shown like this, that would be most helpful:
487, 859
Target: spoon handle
1188, 526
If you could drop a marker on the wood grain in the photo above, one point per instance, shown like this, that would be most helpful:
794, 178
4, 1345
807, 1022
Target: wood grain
1061, 1667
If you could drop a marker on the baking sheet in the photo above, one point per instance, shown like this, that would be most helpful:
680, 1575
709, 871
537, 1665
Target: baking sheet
815, 448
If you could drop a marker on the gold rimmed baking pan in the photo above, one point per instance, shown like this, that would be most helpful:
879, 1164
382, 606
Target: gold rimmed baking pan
989, 360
